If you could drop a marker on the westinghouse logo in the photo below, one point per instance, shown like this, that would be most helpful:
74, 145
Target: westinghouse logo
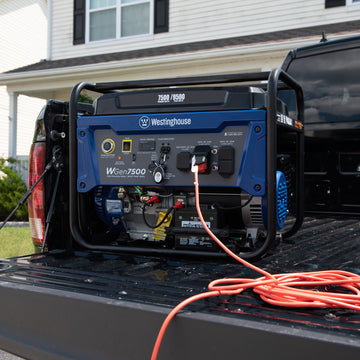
146, 121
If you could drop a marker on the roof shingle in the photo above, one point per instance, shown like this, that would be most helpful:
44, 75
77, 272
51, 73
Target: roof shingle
351, 26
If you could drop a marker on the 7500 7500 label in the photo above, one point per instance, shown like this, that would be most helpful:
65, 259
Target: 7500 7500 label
167, 98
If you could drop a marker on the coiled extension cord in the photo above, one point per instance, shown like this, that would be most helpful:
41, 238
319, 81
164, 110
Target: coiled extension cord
281, 289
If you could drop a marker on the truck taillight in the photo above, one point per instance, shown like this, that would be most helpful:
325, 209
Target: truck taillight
36, 202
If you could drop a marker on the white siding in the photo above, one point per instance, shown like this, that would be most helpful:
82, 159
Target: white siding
196, 20
23, 29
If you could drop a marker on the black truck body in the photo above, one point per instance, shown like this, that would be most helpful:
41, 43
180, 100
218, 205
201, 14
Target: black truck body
329, 76
81, 300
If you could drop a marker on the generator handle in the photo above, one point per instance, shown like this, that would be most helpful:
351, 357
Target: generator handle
275, 76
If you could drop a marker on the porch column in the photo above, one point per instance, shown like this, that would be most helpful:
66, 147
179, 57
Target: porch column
13, 110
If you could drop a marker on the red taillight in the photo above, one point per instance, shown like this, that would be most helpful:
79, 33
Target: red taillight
36, 201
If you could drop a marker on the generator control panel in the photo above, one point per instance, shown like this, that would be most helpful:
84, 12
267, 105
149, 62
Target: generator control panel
157, 149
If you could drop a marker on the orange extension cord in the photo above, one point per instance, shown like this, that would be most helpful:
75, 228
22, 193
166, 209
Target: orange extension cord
280, 289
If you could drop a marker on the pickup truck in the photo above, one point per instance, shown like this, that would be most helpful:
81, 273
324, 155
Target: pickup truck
117, 250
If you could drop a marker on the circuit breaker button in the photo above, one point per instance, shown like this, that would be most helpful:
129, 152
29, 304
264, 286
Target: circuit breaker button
226, 160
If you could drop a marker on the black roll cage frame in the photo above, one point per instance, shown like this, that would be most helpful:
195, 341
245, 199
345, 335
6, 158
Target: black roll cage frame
274, 79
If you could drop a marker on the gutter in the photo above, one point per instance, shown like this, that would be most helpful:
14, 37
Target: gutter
193, 56
215, 61
49, 30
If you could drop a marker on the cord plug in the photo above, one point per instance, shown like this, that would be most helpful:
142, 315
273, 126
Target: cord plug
178, 205
200, 162
194, 166
153, 200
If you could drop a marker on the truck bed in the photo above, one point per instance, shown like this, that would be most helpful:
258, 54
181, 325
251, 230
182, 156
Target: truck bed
89, 305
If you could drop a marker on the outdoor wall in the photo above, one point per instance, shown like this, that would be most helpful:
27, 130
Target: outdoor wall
191, 21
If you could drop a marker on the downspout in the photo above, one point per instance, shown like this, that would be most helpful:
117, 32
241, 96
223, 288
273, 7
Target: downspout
49, 29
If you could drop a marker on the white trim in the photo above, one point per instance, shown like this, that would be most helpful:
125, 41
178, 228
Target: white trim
103, 7
13, 111
118, 21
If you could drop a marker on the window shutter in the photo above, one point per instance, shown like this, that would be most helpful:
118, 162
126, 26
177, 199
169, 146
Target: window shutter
79, 22
161, 16
334, 3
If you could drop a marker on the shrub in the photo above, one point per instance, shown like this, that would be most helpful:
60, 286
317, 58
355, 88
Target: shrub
12, 189
85, 98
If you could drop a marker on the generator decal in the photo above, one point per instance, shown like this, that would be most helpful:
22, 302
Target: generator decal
145, 121
171, 98
130, 172
286, 120
194, 224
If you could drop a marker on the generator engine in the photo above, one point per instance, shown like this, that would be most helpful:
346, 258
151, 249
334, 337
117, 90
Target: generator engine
167, 216
136, 153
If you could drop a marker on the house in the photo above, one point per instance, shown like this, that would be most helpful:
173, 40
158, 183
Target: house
23, 29
114, 40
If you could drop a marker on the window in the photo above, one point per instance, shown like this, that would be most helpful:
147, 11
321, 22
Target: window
115, 19
334, 3
331, 86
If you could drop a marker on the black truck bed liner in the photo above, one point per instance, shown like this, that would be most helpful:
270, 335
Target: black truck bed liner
89, 305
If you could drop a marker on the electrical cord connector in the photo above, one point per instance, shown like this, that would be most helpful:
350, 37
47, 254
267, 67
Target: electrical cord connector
153, 200
199, 164
178, 205
194, 166
289, 290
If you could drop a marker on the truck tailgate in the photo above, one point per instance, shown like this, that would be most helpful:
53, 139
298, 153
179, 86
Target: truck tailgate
89, 305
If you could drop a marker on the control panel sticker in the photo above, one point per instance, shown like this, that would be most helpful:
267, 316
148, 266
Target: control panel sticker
159, 159
125, 173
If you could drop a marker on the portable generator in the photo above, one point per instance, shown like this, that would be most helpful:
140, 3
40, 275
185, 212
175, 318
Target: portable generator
132, 155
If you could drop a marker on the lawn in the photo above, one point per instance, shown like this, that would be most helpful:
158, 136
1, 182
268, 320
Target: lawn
15, 241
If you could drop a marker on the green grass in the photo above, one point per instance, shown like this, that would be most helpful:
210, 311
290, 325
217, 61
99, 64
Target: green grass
15, 241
